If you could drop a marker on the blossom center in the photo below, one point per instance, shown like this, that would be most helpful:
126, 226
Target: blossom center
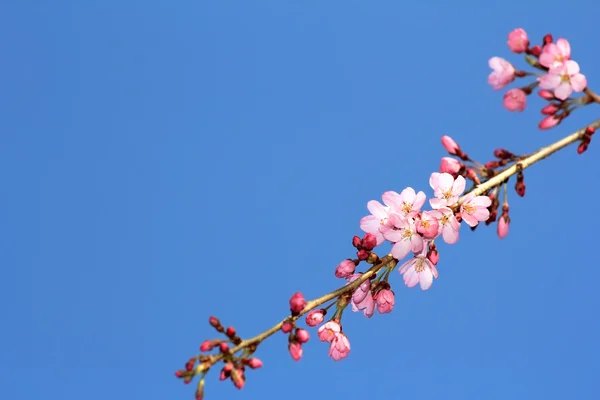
469, 208
448, 194
564, 78
406, 207
425, 223
420, 265
407, 234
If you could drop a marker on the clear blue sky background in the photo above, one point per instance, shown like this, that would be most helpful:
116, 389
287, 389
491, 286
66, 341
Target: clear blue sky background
164, 161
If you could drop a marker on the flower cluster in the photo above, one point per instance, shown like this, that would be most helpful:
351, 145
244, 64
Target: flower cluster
560, 77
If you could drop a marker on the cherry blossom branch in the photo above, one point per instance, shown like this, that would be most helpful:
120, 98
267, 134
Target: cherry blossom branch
401, 222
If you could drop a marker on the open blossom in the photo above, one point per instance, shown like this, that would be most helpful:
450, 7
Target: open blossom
404, 237
419, 270
378, 218
564, 79
446, 189
515, 100
448, 224
475, 209
327, 331
385, 301
518, 41
450, 165
407, 203
555, 54
339, 347
428, 225
503, 73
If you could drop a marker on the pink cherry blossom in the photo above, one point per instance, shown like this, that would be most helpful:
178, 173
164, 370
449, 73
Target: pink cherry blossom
450, 165
404, 237
446, 189
407, 203
553, 55
515, 100
361, 291
327, 331
475, 209
450, 145
345, 268
315, 317
339, 347
503, 73
448, 225
419, 270
385, 301
428, 225
564, 79
295, 349
378, 218
518, 42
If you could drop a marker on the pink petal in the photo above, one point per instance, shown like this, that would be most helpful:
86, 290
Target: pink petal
370, 224
419, 201
459, 186
391, 199
408, 264
578, 82
550, 81
481, 214
408, 195
401, 249
445, 180
426, 278
564, 47
416, 243
411, 278
437, 203
434, 271
572, 67
470, 220
481, 201
450, 235
377, 209
563, 91
393, 235
433, 180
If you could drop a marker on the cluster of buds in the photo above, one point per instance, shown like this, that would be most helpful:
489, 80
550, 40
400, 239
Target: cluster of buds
234, 367
586, 140
560, 77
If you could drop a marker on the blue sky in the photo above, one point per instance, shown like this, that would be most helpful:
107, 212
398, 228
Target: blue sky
162, 163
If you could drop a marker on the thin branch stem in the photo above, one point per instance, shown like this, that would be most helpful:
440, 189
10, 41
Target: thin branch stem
593, 95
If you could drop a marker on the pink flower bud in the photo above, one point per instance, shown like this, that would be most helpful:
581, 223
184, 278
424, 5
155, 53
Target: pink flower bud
515, 100
536, 50
339, 347
356, 242
302, 335
295, 349
550, 109
434, 257
345, 268
206, 346
548, 39
315, 317
518, 41
427, 225
287, 327
503, 154
385, 301
255, 363
224, 347
472, 175
230, 332
369, 242
327, 331
362, 254
450, 165
549, 122
297, 303
546, 94
503, 223
450, 145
